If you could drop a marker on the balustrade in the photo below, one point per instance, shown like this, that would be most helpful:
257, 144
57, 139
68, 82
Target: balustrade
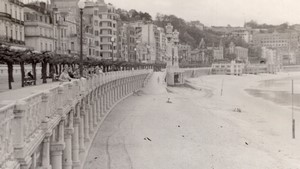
55, 128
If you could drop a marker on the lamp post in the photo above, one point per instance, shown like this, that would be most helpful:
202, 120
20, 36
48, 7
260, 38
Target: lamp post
81, 6
112, 47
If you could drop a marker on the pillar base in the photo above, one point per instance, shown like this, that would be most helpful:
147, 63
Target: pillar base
76, 165
45, 167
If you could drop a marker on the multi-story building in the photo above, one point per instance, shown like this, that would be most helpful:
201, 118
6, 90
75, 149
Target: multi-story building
108, 29
184, 53
161, 45
131, 43
202, 54
286, 44
276, 40
146, 36
240, 52
39, 27
92, 28
218, 52
12, 22
244, 34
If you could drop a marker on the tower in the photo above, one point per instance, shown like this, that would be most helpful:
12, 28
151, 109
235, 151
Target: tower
174, 74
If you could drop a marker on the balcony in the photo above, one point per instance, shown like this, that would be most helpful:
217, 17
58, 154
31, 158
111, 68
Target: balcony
17, 21
11, 40
5, 16
17, 2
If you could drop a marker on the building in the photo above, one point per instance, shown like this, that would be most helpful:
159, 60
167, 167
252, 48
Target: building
243, 33
184, 53
146, 37
218, 52
286, 44
225, 68
202, 54
39, 27
276, 40
131, 43
240, 52
197, 24
108, 29
12, 22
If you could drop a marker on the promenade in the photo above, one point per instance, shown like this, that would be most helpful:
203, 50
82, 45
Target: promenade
199, 129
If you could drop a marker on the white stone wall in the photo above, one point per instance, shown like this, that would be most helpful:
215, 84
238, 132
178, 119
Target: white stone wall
55, 128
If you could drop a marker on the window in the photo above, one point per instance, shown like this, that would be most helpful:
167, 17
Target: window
50, 47
90, 51
5, 8
41, 46
46, 47
41, 18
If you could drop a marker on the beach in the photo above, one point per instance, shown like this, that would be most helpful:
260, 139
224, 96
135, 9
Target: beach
199, 128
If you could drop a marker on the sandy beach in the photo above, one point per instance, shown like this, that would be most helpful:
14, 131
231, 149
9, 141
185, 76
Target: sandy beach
199, 129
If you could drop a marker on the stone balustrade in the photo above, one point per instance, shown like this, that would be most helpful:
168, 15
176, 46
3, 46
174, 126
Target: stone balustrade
54, 129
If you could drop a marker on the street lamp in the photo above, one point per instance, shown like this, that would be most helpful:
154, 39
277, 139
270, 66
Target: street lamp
112, 49
81, 6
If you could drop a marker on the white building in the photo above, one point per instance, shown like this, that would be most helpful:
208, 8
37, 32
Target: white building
12, 22
39, 27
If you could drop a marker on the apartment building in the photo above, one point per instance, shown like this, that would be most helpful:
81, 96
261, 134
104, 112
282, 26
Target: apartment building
12, 22
39, 27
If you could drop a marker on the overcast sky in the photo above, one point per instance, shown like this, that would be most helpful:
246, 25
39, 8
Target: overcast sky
220, 12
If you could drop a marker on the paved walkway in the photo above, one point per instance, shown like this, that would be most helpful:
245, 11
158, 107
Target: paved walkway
146, 132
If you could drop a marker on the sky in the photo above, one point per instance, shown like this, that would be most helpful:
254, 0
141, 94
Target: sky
219, 12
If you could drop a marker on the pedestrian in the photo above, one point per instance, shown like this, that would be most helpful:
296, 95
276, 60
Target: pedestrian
64, 76
30, 75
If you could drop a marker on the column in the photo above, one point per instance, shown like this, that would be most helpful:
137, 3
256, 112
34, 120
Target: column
101, 104
107, 99
46, 154
98, 109
57, 148
81, 131
33, 161
95, 111
67, 153
56, 155
91, 117
75, 141
86, 124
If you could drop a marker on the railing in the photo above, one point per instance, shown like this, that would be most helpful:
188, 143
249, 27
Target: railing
6, 137
5, 15
24, 123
